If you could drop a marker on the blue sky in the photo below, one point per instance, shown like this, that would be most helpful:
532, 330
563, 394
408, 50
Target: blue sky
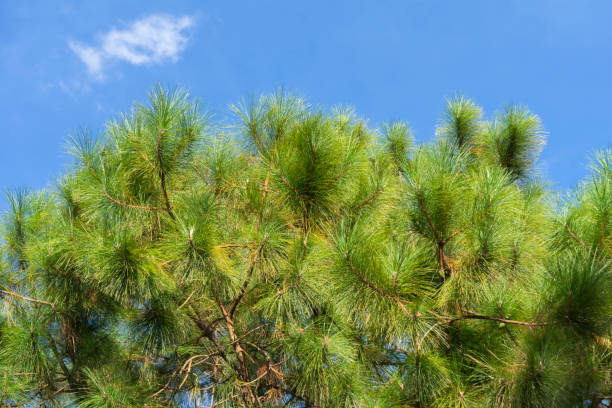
77, 64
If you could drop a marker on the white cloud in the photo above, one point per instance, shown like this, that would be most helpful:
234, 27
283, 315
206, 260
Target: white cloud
73, 87
90, 56
150, 40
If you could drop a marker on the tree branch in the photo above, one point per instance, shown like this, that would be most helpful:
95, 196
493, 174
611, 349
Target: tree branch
337, 177
186, 300
400, 302
575, 237
234, 245
60, 361
128, 205
284, 180
245, 284
15, 294
476, 316
459, 231
429, 221
252, 398
367, 200
162, 173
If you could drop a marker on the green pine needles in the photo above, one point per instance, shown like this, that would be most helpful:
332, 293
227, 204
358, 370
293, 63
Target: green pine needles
303, 259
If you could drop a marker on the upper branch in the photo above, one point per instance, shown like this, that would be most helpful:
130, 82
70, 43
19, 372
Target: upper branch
162, 173
400, 302
248, 278
575, 237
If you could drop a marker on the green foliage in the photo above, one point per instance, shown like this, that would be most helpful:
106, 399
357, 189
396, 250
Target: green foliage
515, 140
461, 125
304, 259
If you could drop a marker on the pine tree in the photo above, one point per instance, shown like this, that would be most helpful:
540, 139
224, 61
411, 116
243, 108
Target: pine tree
303, 259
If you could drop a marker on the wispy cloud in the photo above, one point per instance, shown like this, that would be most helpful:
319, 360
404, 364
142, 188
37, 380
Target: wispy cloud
150, 40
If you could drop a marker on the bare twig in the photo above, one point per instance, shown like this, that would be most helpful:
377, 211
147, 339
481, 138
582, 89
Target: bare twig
248, 277
286, 182
128, 205
497, 319
28, 299
429, 221
186, 300
368, 200
575, 237
400, 302
162, 173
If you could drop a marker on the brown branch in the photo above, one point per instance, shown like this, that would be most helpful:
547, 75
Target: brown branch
191, 243
442, 258
263, 201
208, 331
186, 300
15, 294
381, 292
197, 169
60, 361
183, 145
253, 129
245, 284
367, 200
113, 199
234, 245
575, 237
237, 348
49, 397
284, 180
128, 205
604, 228
474, 359
344, 170
429, 221
162, 173
459, 231
234, 185
481, 256
112, 401
497, 319
440, 241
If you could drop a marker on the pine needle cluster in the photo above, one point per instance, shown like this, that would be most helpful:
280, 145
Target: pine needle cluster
304, 259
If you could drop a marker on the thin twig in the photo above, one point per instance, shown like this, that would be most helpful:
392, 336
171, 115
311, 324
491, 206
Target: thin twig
575, 237
234, 245
367, 200
11, 293
398, 301
162, 173
284, 180
429, 221
186, 300
459, 231
128, 205
498, 319
248, 277
44, 401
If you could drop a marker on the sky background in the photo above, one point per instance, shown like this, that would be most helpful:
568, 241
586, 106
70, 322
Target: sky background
66, 65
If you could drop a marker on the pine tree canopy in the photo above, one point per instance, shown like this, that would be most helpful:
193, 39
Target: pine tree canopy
300, 258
